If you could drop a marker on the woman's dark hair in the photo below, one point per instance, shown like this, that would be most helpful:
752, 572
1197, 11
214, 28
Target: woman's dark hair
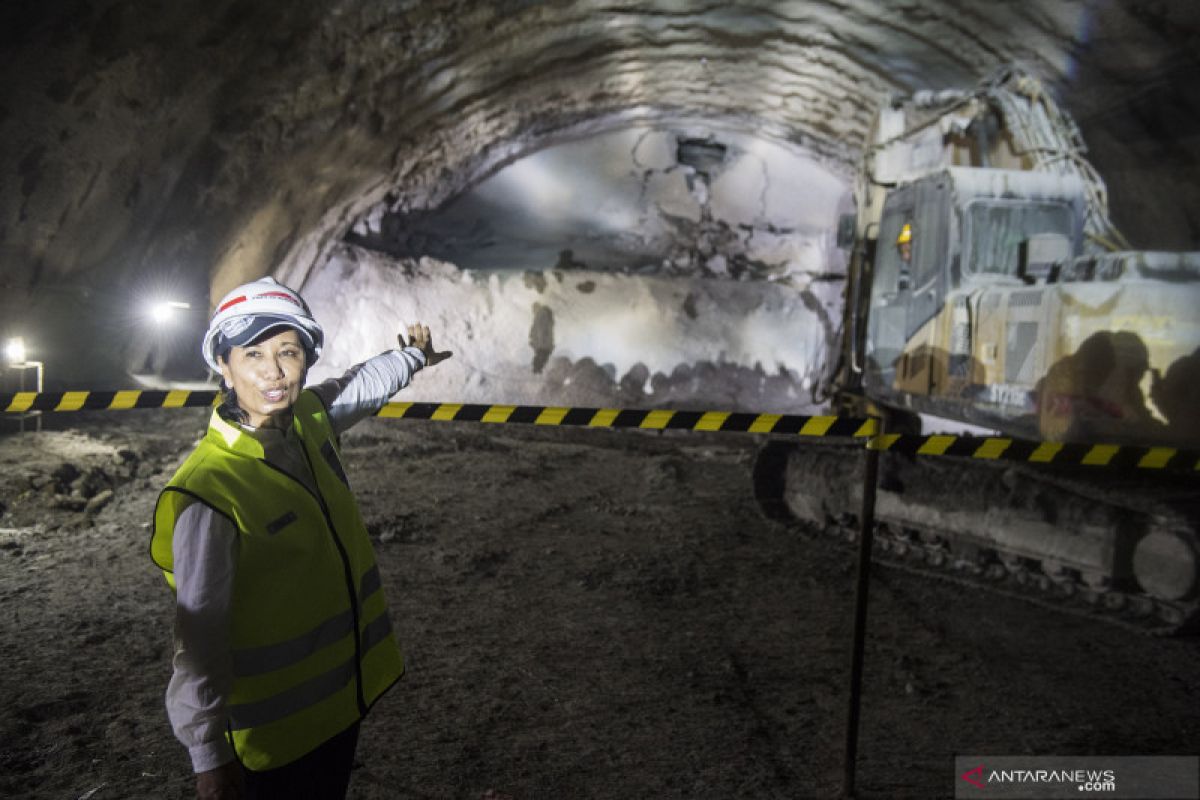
228, 408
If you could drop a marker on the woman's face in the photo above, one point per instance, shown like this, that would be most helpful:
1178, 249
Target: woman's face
267, 377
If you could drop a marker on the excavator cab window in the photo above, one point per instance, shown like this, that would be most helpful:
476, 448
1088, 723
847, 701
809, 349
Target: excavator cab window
893, 262
932, 215
909, 284
912, 235
890, 290
997, 229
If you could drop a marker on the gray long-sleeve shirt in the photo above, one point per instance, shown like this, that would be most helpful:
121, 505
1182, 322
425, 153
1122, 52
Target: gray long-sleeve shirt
205, 552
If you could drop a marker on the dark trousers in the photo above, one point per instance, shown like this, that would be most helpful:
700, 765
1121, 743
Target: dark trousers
323, 774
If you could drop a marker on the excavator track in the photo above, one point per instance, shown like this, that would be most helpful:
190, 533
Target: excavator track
1113, 547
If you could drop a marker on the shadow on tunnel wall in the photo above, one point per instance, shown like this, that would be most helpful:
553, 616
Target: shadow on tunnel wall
1177, 396
1094, 395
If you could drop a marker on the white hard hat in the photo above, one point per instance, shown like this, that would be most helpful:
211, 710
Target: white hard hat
251, 310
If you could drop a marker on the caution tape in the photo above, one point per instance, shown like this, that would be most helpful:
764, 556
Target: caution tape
996, 448
990, 448
654, 420
22, 402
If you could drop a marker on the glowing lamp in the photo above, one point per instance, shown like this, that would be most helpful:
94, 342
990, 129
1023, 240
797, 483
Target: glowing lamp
14, 350
162, 312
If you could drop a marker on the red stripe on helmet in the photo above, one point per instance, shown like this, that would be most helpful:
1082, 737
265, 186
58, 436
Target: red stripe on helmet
232, 302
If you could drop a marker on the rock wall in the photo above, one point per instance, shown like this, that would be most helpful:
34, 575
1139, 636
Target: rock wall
687, 199
582, 337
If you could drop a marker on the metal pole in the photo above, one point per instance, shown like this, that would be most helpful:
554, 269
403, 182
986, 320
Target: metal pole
865, 541
39, 366
21, 417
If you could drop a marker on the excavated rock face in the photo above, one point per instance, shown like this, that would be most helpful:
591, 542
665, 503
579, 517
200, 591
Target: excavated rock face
197, 145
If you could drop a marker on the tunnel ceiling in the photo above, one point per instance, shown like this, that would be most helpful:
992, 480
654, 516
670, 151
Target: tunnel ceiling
215, 141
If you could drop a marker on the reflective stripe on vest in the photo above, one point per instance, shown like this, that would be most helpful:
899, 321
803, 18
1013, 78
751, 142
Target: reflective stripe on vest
284, 704
303, 670
267, 658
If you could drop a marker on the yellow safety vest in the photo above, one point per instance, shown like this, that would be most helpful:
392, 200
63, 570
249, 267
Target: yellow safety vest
312, 641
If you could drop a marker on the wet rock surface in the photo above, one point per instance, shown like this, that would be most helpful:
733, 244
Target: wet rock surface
585, 613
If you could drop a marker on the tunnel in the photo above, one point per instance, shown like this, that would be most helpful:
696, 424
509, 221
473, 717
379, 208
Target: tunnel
145, 166
600, 206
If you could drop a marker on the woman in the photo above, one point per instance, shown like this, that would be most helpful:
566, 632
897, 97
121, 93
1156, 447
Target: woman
282, 637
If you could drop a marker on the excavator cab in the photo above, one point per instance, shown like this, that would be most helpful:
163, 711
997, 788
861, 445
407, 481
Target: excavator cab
984, 307
972, 232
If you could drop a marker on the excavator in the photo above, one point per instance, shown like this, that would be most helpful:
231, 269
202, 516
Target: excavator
988, 291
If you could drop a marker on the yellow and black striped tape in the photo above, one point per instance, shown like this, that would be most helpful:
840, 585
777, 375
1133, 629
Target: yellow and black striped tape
988, 448
22, 402
655, 420
994, 448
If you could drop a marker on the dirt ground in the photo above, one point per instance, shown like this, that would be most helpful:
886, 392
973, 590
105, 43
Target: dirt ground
585, 614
